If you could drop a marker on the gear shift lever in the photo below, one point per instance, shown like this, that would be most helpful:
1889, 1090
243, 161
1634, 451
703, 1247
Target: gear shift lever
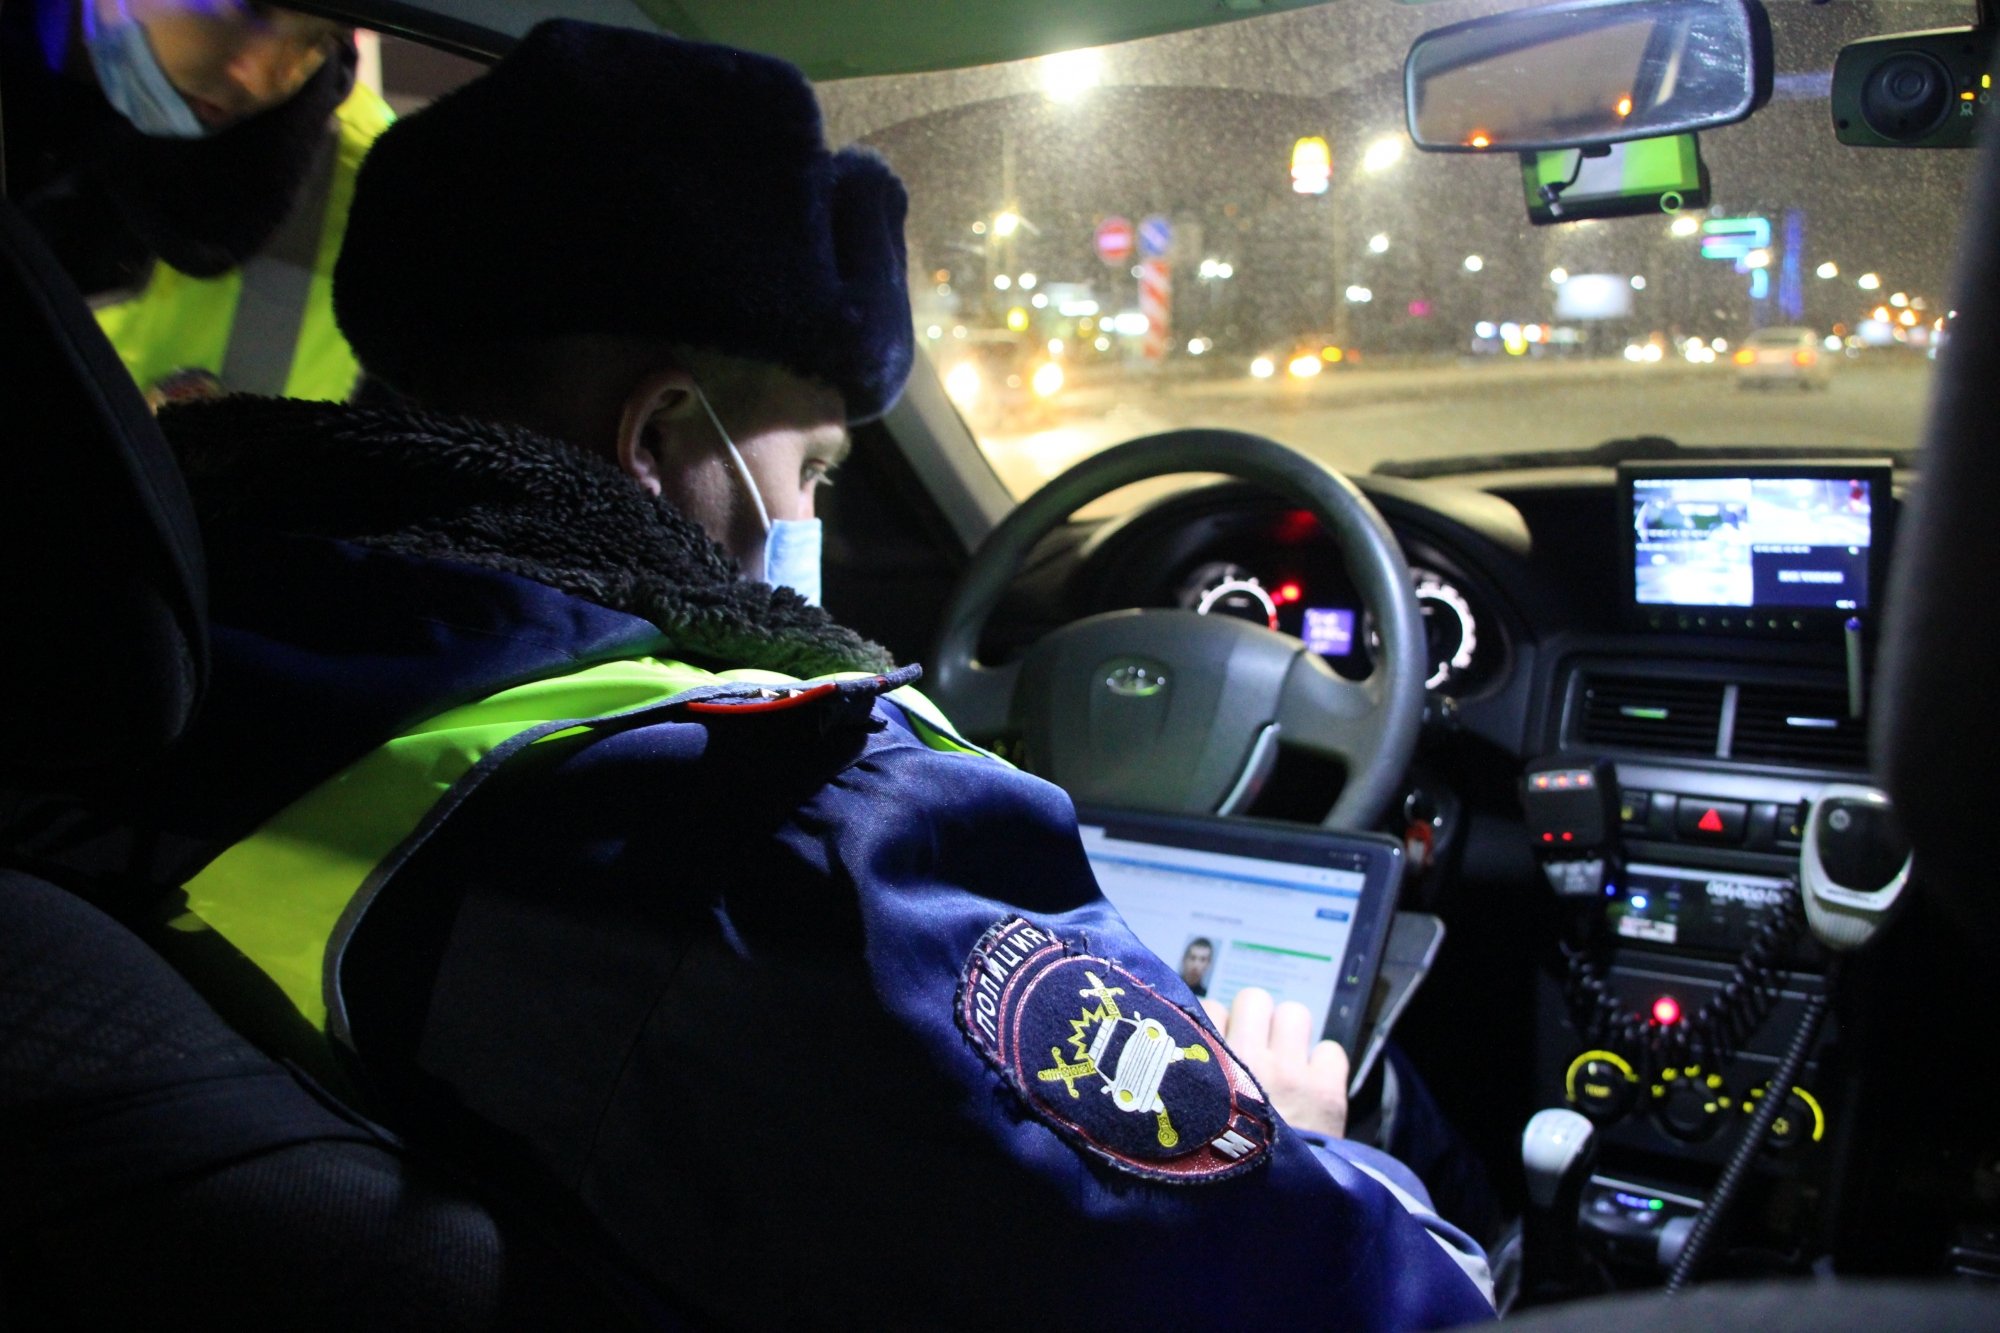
1558, 1149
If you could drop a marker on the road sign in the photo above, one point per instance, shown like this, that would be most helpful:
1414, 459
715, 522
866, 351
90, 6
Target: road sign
1156, 236
1114, 240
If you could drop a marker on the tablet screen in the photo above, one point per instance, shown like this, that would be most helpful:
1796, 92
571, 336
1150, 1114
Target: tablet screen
1230, 904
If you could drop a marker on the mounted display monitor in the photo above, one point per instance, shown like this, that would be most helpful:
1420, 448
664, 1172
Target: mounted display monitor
1784, 548
1620, 180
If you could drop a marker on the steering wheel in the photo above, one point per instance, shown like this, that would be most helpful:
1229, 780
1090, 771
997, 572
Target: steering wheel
1171, 710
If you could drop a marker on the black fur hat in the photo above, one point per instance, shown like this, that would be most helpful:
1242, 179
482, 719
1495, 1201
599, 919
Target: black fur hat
603, 180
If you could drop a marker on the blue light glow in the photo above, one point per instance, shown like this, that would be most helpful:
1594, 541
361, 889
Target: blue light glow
1639, 901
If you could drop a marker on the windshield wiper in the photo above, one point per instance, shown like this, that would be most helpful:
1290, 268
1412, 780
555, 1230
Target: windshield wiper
1656, 448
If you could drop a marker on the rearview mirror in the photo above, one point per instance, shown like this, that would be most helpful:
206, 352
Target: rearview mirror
1586, 72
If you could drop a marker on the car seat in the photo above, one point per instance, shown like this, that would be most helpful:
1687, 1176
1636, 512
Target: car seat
156, 1168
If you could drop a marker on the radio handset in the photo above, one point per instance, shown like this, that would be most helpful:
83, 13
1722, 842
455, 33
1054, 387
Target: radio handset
1854, 866
1571, 805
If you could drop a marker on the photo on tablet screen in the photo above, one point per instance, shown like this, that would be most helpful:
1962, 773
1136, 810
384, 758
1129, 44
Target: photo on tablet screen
1231, 903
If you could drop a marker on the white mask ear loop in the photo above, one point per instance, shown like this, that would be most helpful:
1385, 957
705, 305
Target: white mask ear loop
736, 457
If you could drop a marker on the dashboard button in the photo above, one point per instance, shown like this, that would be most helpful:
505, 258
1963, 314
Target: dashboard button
1635, 809
1718, 822
1689, 1103
1663, 814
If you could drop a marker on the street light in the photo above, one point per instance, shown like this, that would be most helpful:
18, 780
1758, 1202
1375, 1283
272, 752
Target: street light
1684, 225
1006, 223
1384, 153
1473, 263
1868, 282
1028, 282
1828, 270
1360, 295
1559, 275
1068, 75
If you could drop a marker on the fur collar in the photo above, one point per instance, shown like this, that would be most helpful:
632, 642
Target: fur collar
419, 483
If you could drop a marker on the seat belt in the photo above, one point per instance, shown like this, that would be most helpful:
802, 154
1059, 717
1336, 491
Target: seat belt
277, 283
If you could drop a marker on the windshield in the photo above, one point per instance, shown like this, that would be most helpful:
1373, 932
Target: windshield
1229, 227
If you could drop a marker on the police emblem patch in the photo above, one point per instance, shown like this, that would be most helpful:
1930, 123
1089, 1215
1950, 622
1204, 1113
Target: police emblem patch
1110, 1062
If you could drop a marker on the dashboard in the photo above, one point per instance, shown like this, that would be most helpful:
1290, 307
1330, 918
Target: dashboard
1327, 615
1564, 618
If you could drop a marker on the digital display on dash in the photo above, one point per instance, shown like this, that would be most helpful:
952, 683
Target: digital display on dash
1792, 542
1329, 630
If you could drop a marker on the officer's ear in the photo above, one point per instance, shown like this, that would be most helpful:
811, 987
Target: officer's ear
656, 409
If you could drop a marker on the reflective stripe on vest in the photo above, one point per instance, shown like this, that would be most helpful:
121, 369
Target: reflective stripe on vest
266, 327
288, 896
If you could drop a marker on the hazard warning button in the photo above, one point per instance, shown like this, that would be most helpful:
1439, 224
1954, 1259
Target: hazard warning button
1699, 820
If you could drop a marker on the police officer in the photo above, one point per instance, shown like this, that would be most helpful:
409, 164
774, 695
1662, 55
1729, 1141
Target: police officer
191, 161
640, 883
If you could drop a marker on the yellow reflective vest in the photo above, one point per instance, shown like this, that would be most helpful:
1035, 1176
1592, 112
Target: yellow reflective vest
266, 327
289, 896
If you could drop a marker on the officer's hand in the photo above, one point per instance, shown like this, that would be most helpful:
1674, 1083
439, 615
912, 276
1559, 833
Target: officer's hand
1306, 1082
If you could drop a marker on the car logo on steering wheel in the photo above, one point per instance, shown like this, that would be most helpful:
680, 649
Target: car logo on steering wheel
1136, 680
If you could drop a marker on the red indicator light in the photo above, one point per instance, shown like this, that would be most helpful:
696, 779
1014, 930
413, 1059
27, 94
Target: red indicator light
1548, 837
1710, 821
1289, 592
1568, 836
1666, 1011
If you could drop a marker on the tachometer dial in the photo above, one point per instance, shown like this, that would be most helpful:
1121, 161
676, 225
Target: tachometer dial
1222, 589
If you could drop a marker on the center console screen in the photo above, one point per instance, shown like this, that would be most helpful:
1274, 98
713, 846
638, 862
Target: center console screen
1791, 545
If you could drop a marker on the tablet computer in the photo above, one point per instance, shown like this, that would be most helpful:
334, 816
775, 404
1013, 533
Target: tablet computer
1229, 903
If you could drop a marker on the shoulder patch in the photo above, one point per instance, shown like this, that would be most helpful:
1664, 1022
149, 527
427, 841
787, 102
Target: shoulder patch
1108, 1061
843, 702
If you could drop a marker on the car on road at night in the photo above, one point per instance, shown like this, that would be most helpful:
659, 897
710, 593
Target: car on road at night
1525, 545
1783, 358
1304, 358
1001, 380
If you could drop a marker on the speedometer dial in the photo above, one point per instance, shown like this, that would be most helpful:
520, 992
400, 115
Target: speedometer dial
1222, 589
1451, 633
1449, 626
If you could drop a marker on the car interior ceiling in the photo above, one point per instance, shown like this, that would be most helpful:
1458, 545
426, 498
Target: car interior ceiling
103, 598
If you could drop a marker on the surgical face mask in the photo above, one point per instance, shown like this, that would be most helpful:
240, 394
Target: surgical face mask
791, 545
131, 78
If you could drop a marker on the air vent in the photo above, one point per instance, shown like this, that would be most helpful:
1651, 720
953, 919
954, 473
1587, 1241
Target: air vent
1806, 725
1650, 713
